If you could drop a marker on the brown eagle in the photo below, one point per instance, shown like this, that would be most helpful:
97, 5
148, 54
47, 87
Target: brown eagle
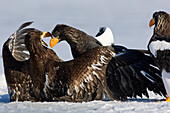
159, 45
129, 73
24, 62
39, 76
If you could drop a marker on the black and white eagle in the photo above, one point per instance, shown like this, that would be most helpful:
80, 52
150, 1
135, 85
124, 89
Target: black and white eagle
129, 73
159, 45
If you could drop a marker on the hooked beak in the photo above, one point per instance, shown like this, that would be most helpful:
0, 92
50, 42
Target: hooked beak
54, 41
152, 22
45, 34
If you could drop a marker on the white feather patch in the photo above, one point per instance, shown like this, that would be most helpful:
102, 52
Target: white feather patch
106, 39
46, 84
82, 85
89, 78
68, 92
76, 88
85, 80
46, 78
103, 58
26, 52
94, 73
166, 81
158, 45
113, 54
154, 66
95, 67
98, 64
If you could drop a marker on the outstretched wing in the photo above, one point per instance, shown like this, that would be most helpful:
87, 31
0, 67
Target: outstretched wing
88, 78
16, 43
131, 72
84, 76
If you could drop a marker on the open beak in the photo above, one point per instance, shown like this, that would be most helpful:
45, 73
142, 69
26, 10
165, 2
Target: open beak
45, 34
54, 41
152, 22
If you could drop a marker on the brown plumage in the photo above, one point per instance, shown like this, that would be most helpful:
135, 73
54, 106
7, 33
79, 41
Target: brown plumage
20, 69
162, 24
80, 79
42, 78
128, 74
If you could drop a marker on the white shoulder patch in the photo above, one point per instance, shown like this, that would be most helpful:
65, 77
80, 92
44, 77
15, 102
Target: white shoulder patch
106, 39
158, 45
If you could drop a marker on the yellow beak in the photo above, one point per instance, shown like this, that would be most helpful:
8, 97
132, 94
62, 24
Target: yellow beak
45, 34
152, 22
54, 41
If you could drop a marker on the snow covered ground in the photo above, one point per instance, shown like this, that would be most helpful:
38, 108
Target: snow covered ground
106, 106
128, 20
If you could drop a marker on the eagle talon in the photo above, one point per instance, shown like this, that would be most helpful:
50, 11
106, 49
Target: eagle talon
167, 99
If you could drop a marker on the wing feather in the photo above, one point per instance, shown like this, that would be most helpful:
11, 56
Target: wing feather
87, 80
131, 73
16, 42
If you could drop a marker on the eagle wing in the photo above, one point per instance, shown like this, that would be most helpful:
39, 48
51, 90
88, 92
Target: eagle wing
16, 43
131, 72
84, 76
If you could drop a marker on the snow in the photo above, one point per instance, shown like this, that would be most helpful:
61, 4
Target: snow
105, 106
129, 21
